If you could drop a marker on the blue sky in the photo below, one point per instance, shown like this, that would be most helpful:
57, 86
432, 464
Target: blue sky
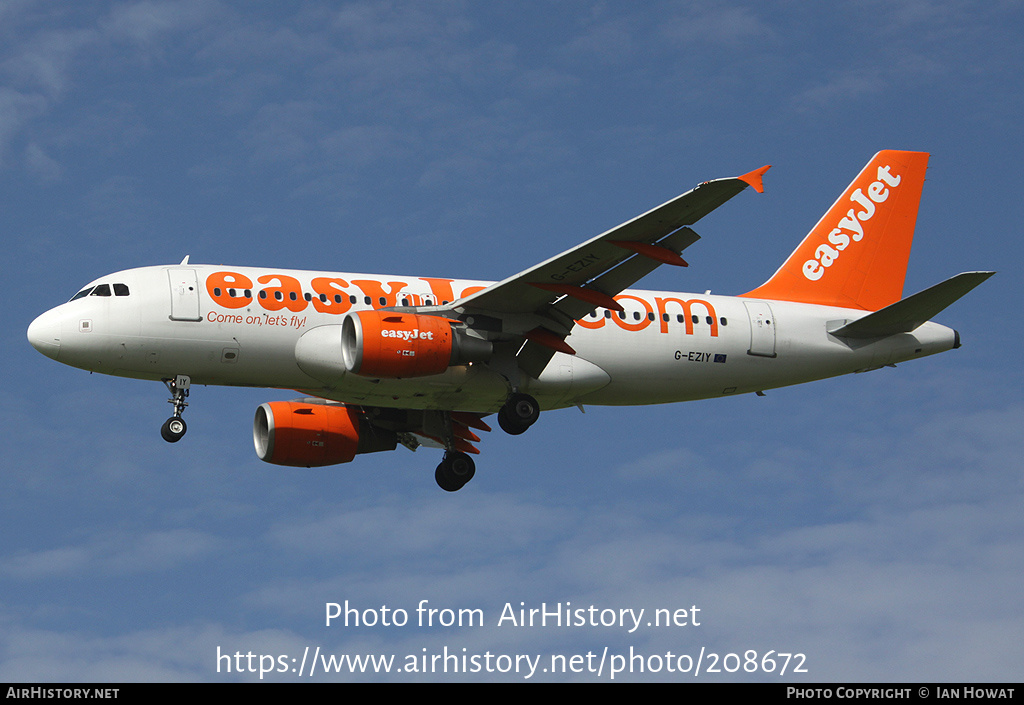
872, 522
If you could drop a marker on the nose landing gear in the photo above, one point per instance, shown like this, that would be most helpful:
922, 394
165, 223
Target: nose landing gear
174, 428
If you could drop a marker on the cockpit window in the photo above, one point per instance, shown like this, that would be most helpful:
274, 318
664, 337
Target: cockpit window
102, 290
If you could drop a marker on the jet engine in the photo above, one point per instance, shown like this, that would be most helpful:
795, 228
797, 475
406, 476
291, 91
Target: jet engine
314, 434
392, 345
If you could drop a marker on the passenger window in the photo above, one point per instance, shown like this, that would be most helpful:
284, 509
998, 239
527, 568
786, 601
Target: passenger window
120, 290
101, 290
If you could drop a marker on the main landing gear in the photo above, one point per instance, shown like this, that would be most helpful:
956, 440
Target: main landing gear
455, 470
174, 428
519, 413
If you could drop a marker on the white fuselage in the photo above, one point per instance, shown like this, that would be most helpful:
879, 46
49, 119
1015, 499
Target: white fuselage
668, 347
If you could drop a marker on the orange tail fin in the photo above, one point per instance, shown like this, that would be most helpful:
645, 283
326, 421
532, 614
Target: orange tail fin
856, 256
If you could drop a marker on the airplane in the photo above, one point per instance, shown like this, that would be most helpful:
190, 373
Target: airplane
421, 361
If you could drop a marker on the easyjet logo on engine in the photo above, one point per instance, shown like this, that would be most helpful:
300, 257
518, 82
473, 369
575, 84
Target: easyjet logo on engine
407, 334
851, 227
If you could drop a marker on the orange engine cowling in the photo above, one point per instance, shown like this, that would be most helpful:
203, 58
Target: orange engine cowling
315, 434
391, 344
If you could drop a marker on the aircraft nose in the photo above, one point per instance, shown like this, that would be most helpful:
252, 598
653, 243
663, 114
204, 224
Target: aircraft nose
44, 334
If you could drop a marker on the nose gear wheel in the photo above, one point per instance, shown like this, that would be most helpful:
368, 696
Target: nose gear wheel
174, 428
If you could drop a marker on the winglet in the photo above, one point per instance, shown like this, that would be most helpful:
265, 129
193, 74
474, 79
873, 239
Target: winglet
753, 178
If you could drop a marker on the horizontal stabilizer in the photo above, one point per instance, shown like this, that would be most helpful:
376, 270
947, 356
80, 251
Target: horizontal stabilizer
906, 315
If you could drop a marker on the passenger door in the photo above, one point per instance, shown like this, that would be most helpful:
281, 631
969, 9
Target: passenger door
184, 294
762, 328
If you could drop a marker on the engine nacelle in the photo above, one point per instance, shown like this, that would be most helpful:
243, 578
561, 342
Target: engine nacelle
315, 434
392, 345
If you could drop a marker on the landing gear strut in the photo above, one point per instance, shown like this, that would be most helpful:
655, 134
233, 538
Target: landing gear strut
519, 413
455, 470
174, 428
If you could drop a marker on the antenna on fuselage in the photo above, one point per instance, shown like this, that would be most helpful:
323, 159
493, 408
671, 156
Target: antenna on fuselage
184, 261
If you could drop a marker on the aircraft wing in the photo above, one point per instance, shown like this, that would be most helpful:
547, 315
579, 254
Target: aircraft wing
583, 264
542, 302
